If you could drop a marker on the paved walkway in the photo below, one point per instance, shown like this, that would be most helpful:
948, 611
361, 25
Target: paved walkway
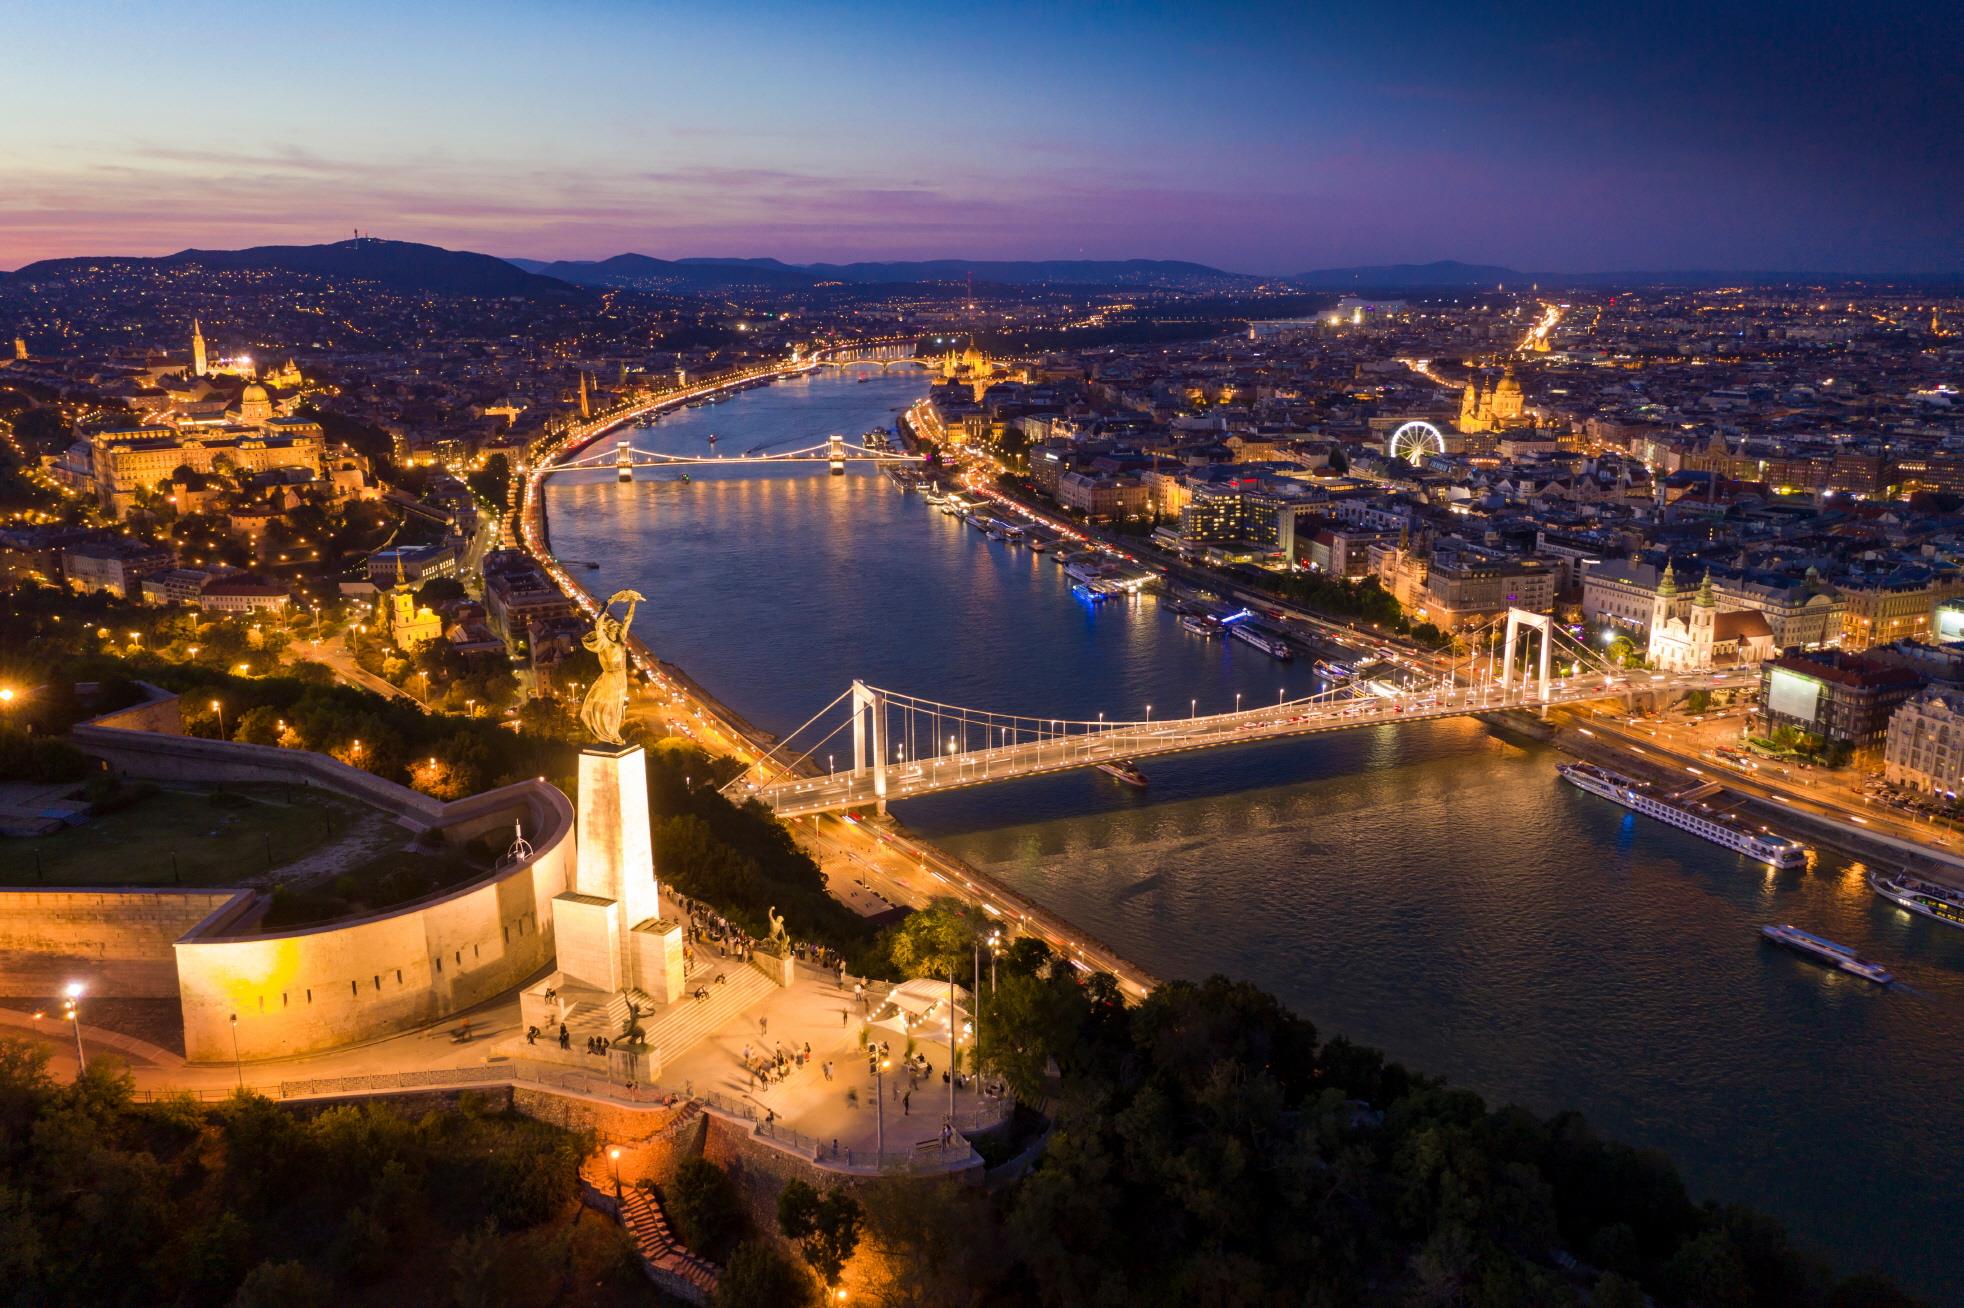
819, 1013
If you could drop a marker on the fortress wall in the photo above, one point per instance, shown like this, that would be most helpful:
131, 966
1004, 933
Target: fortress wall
160, 756
347, 982
120, 943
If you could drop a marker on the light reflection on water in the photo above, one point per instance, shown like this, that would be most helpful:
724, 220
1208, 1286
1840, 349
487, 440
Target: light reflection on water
1433, 889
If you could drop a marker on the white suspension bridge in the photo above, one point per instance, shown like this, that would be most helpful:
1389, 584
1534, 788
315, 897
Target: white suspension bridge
904, 745
835, 451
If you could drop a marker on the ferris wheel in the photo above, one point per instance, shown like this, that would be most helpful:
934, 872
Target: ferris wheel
1417, 441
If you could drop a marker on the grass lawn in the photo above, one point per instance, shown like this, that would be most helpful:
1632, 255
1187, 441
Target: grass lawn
193, 837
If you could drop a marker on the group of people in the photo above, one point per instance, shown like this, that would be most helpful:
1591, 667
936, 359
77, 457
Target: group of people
767, 1070
532, 1034
707, 927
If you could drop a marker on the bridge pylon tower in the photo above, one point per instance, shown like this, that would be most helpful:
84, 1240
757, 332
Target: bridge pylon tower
623, 462
835, 448
1517, 620
869, 736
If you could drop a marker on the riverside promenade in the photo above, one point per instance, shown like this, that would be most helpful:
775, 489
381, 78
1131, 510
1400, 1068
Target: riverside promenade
912, 870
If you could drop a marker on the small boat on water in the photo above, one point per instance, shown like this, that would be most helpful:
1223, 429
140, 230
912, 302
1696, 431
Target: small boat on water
1125, 770
1944, 903
1822, 950
1201, 625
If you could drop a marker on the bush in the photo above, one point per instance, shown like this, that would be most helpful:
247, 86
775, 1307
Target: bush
705, 1207
758, 1274
25, 757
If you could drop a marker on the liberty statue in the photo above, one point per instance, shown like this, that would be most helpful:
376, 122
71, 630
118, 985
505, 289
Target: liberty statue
605, 705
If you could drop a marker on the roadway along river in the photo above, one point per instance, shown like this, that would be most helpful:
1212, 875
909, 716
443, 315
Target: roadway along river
1432, 889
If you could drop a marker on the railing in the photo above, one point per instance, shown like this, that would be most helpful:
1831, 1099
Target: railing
926, 1155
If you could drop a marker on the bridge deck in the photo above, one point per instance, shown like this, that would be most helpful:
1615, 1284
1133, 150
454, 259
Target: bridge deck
843, 790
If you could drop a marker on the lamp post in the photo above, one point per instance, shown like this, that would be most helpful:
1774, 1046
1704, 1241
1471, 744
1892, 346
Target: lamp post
953, 1066
614, 1157
73, 1011
880, 1102
218, 707
238, 1064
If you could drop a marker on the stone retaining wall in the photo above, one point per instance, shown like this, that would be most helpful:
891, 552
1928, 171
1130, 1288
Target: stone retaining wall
121, 943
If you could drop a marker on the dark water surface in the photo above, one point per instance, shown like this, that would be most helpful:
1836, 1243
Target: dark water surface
1431, 889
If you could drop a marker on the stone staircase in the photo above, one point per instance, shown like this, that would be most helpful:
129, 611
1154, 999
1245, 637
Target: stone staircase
682, 1024
668, 1264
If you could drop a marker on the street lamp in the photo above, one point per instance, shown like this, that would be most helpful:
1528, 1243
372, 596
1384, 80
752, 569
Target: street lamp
72, 1010
614, 1157
219, 708
238, 1064
880, 1066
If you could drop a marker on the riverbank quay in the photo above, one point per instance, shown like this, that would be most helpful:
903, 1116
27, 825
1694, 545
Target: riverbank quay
672, 700
1597, 739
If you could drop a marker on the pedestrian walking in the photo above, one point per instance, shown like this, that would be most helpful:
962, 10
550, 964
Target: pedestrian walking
907, 1104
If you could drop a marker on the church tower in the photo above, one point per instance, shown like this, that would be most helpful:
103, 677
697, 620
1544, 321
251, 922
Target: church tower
1704, 615
199, 364
20, 347
1663, 607
586, 404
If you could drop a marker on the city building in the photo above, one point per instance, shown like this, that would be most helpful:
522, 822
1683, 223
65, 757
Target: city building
1925, 745
243, 595
1899, 606
125, 463
1843, 697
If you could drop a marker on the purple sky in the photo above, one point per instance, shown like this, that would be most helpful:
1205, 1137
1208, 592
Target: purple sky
1579, 137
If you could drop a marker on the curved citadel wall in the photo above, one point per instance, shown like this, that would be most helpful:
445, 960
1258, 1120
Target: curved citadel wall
351, 981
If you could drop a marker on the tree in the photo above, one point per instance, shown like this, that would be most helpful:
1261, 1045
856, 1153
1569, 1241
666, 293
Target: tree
826, 1227
440, 590
938, 1240
704, 1205
758, 1274
281, 1285
937, 941
492, 483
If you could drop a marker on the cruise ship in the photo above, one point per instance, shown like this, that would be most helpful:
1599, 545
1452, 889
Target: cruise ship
1823, 950
1720, 829
1273, 646
1945, 903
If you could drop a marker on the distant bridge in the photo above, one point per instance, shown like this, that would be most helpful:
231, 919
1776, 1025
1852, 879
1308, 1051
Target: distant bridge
903, 746
836, 451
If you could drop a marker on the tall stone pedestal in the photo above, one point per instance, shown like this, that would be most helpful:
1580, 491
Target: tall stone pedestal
608, 927
616, 851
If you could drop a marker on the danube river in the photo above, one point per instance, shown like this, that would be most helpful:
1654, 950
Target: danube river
1432, 889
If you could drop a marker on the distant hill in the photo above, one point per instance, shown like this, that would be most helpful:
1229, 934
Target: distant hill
702, 274
1399, 276
399, 265
1449, 274
1038, 272
646, 273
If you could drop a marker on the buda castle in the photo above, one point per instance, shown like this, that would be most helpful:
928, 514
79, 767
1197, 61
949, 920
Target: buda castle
195, 419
